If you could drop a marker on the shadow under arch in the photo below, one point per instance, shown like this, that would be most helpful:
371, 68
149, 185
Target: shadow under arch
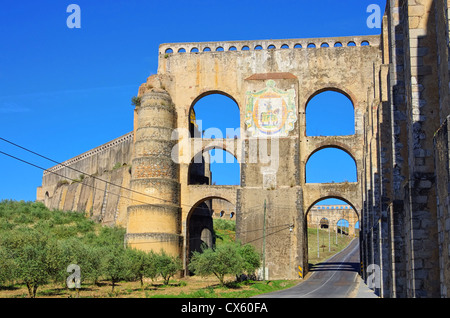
199, 170
200, 227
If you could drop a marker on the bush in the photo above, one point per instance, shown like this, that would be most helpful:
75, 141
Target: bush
167, 266
143, 264
230, 258
222, 224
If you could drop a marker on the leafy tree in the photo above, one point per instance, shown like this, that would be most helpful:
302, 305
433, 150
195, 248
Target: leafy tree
167, 266
250, 257
35, 256
116, 265
7, 267
230, 258
143, 264
224, 259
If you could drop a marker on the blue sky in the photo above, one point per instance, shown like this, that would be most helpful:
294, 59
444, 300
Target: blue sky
64, 91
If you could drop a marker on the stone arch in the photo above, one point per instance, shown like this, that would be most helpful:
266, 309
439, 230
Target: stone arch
335, 145
333, 88
324, 223
206, 147
333, 196
199, 227
320, 116
205, 93
347, 222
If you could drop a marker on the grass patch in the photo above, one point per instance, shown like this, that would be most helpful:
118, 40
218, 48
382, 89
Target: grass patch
329, 244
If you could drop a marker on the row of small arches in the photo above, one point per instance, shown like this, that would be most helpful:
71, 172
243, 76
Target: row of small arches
270, 47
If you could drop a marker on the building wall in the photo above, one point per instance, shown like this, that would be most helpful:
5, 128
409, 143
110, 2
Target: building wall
405, 195
95, 182
399, 86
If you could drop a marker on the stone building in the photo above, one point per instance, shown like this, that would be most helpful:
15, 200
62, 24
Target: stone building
398, 84
405, 214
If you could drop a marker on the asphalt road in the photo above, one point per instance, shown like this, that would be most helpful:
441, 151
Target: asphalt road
335, 278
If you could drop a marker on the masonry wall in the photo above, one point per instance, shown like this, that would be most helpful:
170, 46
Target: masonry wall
441, 141
95, 182
406, 194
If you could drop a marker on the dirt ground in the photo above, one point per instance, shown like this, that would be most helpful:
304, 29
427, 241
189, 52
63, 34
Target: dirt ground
190, 287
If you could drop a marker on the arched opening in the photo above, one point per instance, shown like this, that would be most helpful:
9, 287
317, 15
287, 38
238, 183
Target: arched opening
258, 47
214, 167
330, 223
324, 45
342, 227
330, 165
194, 50
324, 224
311, 45
214, 115
330, 113
202, 229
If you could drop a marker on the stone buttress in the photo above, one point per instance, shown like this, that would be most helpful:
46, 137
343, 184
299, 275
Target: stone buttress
154, 215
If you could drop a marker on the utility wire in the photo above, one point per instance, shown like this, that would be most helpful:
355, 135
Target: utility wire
32, 164
62, 164
253, 208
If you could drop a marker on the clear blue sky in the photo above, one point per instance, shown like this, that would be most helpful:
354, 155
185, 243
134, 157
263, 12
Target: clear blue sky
64, 91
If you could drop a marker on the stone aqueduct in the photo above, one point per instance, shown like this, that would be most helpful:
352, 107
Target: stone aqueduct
141, 180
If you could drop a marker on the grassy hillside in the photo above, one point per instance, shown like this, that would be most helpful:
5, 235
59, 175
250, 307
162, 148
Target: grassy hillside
329, 244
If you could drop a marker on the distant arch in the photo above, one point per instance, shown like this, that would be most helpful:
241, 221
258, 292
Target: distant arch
338, 197
324, 223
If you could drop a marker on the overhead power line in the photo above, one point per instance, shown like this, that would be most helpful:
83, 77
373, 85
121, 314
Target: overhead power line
79, 171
